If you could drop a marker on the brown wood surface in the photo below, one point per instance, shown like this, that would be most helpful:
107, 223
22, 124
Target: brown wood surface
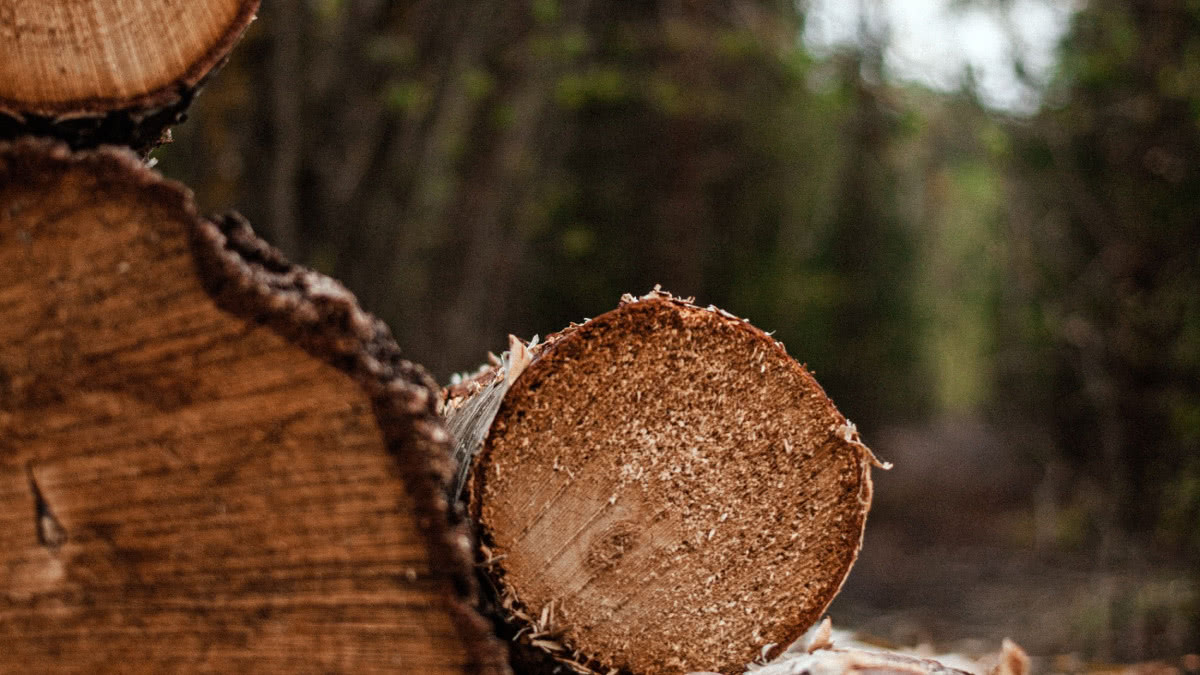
109, 71
210, 460
664, 489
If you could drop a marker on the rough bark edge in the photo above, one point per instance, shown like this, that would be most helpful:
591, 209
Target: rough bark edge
512, 618
156, 98
252, 281
140, 122
141, 129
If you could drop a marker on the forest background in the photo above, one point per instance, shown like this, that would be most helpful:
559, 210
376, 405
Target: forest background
1006, 299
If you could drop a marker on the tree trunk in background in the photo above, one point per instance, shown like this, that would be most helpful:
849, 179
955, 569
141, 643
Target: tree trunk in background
287, 126
210, 459
872, 256
109, 71
662, 489
1105, 208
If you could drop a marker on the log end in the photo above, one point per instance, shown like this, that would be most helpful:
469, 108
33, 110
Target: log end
664, 489
104, 71
210, 458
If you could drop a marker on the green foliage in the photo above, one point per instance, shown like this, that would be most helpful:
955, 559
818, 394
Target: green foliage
478, 83
473, 169
595, 85
327, 10
395, 51
1110, 206
545, 11
409, 97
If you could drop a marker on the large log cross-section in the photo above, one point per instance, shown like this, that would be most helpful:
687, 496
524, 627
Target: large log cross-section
210, 459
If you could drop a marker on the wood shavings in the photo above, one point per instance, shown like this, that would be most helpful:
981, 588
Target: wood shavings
848, 432
1013, 660
823, 638
519, 356
621, 432
815, 654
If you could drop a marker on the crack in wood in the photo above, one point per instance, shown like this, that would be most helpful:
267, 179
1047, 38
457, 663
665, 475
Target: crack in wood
50, 532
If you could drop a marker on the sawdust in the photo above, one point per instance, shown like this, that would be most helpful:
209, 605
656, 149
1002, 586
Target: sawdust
676, 485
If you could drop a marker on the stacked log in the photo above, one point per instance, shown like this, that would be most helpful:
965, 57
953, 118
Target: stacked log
662, 488
210, 459
213, 459
121, 72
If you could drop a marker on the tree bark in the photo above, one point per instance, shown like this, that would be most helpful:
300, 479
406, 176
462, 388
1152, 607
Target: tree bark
109, 71
660, 489
210, 459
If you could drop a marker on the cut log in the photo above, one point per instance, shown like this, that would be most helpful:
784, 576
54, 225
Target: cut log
662, 489
210, 459
109, 71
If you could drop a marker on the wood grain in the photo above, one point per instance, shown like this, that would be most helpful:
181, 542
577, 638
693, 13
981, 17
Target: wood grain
93, 72
75, 55
209, 459
664, 489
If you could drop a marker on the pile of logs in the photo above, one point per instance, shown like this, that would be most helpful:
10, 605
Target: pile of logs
213, 459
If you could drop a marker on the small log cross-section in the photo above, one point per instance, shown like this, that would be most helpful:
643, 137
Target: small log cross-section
210, 459
109, 71
664, 489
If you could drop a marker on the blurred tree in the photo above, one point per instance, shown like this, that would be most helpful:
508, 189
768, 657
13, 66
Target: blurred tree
474, 169
871, 253
399, 146
833, 263
1104, 314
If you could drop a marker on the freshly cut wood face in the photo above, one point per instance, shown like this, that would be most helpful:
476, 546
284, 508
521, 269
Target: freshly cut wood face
210, 459
664, 489
88, 56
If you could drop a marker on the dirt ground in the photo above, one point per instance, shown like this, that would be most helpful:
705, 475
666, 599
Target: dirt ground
957, 557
